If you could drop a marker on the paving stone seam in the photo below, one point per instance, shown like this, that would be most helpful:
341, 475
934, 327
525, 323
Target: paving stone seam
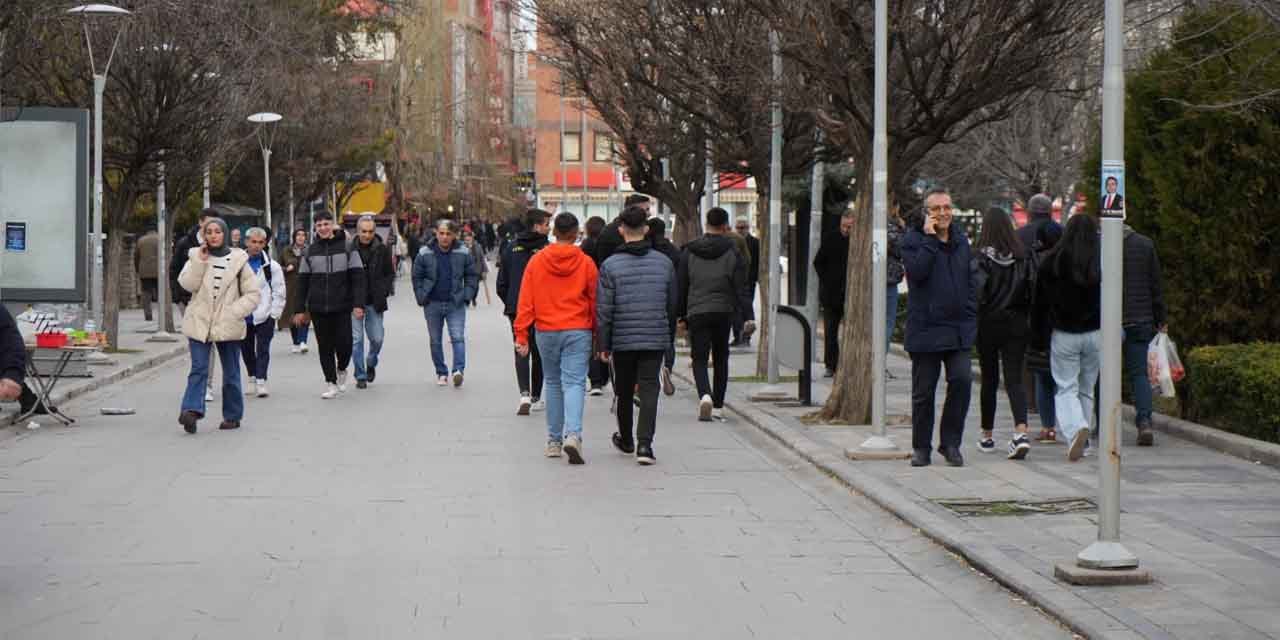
1007, 572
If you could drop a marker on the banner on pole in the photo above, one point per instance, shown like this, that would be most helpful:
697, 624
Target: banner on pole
1112, 204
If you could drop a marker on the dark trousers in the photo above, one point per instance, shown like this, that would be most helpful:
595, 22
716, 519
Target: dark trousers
631, 368
150, 294
598, 373
1003, 341
299, 334
831, 317
709, 336
333, 337
925, 369
529, 368
256, 348
746, 311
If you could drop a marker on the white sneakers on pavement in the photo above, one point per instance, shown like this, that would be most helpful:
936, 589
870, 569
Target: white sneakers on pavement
540, 405
305, 348
704, 409
525, 404
717, 415
442, 381
1078, 443
295, 349
262, 389
330, 392
252, 389
457, 378
573, 449
208, 394
342, 381
553, 449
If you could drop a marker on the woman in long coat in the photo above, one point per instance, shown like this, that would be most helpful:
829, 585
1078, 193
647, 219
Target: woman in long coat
291, 260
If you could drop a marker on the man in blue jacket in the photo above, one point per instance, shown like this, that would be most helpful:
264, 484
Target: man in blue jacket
444, 281
942, 324
635, 317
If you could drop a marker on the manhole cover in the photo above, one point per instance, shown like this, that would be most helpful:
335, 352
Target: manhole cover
977, 508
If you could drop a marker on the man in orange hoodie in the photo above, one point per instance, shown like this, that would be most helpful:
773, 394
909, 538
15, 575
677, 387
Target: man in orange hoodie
558, 298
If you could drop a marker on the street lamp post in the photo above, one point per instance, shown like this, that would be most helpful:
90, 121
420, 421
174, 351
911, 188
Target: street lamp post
89, 12
162, 258
265, 136
775, 209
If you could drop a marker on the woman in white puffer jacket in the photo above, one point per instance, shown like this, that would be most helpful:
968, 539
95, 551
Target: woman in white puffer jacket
224, 291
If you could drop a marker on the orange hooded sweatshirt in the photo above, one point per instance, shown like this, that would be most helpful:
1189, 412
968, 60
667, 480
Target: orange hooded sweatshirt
558, 292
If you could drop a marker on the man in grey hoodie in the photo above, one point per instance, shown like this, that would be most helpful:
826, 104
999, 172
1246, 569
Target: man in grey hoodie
711, 275
635, 313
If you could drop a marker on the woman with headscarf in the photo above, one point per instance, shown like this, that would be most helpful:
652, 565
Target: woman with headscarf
223, 292
291, 261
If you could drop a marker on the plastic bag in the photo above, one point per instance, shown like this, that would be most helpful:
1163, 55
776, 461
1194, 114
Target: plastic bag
1164, 367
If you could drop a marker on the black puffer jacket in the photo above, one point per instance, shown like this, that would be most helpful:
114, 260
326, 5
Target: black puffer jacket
832, 265
178, 261
331, 277
711, 274
636, 299
1006, 284
1143, 291
515, 257
379, 273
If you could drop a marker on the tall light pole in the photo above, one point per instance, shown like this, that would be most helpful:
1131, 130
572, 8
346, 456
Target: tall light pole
266, 134
775, 208
879, 444
816, 190
1107, 552
89, 12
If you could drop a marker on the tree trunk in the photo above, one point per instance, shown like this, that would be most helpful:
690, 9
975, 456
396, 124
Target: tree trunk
850, 399
111, 277
762, 319
688, 224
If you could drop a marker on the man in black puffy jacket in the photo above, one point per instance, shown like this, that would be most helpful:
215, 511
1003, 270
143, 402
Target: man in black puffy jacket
635, 312
332, 287
515, 257
712, 274
657, 237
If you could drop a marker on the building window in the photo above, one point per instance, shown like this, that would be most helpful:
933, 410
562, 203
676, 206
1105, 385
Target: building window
571, 147
604, 147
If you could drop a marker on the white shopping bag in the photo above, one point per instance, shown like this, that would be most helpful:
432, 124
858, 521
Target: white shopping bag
1164, 367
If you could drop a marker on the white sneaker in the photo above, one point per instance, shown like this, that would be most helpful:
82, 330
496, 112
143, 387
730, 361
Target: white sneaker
342, 381
295, 349
704, 409
457, 378
262, 389
442, 381
252, 389
208, 395
573, 449
305, 348
717, 414
540, 405
525, 405
331, 392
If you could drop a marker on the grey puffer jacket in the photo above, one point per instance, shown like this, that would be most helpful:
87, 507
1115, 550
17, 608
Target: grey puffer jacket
636, 299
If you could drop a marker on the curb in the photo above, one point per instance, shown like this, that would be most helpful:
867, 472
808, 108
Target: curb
983, 557
1234, 445
142, 366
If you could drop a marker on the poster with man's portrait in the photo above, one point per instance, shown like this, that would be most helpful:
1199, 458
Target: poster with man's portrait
1111, 204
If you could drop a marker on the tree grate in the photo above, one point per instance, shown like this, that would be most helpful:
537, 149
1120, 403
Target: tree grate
980, 508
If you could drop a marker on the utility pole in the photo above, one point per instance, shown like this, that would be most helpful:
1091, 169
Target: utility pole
775, 209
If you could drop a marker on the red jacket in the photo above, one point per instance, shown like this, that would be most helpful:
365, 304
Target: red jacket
558, 292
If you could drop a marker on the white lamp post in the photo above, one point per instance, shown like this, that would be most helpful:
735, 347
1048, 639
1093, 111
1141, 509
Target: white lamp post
89, 12
265, 136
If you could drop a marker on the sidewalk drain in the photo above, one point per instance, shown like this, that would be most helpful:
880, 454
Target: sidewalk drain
978, 508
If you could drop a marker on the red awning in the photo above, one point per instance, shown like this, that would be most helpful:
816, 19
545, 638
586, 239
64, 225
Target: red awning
596, 178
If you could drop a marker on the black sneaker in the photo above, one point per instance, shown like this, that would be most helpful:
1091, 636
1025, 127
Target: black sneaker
644, 455
361, 384
373, 372
1019, 447
623, 445
987, 445
952, 454
227, 425
920, 458
1145, 436
188, 420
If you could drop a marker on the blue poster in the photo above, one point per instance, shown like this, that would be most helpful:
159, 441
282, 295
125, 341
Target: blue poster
15, 236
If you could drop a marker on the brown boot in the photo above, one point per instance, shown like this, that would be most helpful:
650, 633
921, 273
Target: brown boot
1146, 436
229, 424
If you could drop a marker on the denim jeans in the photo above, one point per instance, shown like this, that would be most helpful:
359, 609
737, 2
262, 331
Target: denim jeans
565, 355
438, 315
370, 326
1074, 359
256, 348
299, 334
1045, 391
232, 396
1137, 339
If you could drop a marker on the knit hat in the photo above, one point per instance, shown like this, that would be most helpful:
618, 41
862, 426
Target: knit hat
1040, 206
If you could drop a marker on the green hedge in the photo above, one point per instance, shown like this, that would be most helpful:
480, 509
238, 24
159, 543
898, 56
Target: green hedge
1236, 387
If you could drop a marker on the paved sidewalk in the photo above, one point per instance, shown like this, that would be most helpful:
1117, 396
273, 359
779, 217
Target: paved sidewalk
1207, 525
136, 355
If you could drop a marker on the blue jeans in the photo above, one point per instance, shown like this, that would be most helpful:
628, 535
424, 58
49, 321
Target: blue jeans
372, 327
256, 348
438, 314
299, 334
891, 310
565, 355
1074, 359
232, 397
1137, 339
